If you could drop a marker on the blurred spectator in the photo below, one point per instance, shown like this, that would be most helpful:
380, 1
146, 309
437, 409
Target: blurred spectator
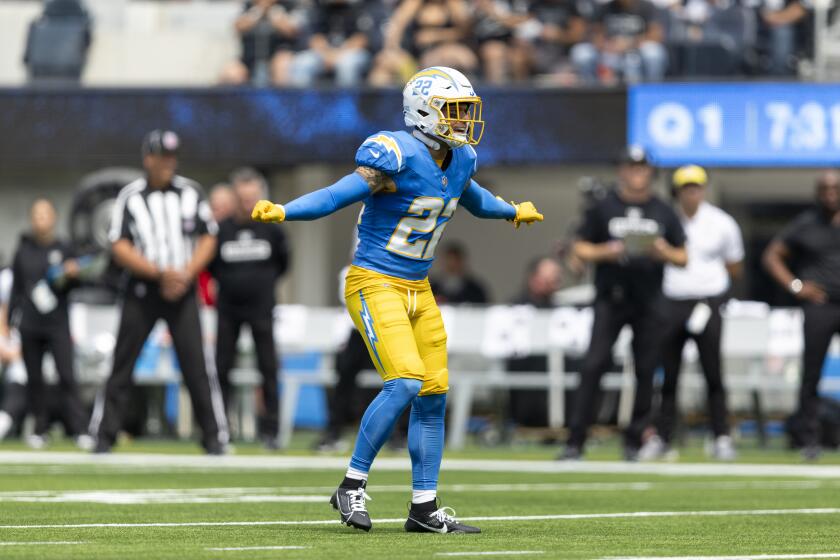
545, 276
342, 33
710, 37
428, 33
627, 44
222, 201
455, 284
58, 42
805, 259
41, 262
553, 28
502, 55
270, 33
251, 258
782, 27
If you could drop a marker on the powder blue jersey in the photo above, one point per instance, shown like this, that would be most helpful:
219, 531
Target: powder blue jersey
399, 231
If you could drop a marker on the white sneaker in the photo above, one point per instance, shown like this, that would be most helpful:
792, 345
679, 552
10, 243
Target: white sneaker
724, 449
85, 442
653, 449
36, 442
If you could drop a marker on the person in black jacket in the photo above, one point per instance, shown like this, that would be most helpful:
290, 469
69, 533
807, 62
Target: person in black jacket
251, 257
44, 322
629, 236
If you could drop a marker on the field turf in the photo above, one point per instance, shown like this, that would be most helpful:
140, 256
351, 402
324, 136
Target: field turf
55, 506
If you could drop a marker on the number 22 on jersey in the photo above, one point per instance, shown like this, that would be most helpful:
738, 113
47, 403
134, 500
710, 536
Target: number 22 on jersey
425, 211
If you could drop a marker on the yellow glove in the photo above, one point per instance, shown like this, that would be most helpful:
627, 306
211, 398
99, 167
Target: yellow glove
526, 213
267, 211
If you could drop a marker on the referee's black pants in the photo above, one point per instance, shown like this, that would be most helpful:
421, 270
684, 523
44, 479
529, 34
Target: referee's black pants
57, 341
822, 321
262, 331
677, 313
610, 317
139, 315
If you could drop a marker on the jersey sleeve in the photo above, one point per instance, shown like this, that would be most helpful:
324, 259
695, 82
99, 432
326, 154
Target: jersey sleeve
383, 152
120, 218
734, 246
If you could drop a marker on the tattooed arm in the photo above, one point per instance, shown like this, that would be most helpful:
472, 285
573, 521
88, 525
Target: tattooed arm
376, 180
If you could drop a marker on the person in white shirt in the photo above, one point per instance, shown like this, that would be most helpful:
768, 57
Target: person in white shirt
694, 295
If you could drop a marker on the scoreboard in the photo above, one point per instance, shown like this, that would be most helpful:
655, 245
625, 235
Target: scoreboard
736, 124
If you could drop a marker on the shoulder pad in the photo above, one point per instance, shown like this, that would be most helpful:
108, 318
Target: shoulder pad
472, 157
383, 151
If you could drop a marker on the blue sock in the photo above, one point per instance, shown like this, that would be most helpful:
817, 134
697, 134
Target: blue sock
380, 418
425, 440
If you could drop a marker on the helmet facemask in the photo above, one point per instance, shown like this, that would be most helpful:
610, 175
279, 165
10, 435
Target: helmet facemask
459, 120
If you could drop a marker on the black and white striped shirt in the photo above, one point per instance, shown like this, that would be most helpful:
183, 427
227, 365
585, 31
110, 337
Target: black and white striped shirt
163, 224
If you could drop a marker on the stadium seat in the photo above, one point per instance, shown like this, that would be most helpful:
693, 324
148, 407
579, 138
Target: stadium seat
57, 42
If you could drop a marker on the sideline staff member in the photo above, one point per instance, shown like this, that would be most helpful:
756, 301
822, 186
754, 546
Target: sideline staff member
163, 234
45, 322
694, 295
629, 235
813, 242
252, 256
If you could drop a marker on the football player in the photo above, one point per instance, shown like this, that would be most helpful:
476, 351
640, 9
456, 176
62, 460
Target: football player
410, 183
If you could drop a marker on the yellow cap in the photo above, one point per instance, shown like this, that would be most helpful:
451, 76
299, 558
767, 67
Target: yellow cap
690, 175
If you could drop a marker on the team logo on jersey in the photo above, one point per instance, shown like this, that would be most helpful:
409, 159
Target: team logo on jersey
632, 223
388, 144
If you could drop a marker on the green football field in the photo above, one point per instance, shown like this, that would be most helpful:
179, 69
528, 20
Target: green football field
166, 501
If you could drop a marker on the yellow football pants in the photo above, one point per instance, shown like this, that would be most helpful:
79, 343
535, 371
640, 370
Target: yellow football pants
402, 327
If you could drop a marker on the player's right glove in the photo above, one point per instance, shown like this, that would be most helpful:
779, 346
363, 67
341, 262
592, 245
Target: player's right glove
526, 213
267, 211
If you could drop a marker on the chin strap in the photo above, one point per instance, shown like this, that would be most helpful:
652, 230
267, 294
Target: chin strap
428, 140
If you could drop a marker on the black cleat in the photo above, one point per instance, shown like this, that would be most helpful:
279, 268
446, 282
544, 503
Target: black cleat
570, 453
350, 504
441, 520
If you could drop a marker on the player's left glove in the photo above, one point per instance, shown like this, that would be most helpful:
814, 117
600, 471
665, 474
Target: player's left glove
526, 213
267, 211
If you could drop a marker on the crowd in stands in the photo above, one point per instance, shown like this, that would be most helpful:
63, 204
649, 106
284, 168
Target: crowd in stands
564, 42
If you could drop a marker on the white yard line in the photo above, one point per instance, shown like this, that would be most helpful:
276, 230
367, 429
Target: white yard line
251, 463
316, 494
567, 516
235, 548
492, 553
751, 557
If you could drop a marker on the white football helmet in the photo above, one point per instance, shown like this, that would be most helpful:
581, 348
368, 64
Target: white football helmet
441, 102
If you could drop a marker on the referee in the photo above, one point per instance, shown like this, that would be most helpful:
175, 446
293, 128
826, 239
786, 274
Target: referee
252, 256
694, 295
163, 234
812, 241
629, 235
